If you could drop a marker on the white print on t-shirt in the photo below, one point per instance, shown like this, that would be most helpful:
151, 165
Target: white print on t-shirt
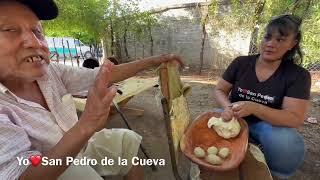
254, 96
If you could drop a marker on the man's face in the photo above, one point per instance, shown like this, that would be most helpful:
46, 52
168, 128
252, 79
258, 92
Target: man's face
274, 46
24, 53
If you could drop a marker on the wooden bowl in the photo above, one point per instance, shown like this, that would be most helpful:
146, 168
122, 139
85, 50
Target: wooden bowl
199, 135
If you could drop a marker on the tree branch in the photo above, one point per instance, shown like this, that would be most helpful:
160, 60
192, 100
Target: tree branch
179, 6
306, 9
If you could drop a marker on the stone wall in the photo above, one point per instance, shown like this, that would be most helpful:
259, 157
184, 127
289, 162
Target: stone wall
180, 32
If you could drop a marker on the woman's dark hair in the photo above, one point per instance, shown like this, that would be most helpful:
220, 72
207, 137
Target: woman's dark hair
91, 63
286, 24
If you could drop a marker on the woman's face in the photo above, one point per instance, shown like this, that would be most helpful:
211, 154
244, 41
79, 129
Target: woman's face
274, 45
24, 53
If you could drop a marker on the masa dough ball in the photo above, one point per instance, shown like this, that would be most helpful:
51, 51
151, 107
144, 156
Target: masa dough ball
212, 150
214, 159
224, 152
225, 129
199, 152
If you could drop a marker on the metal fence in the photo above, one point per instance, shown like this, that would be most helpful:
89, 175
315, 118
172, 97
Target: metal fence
310, 67
314, 67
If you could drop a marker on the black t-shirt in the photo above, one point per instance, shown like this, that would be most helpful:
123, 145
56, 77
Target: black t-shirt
288, 80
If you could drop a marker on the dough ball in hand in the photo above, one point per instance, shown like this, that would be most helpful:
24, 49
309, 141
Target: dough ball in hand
212, 150
199, 152
224, 152
214, 159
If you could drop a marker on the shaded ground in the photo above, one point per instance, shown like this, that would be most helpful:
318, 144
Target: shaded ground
152, 128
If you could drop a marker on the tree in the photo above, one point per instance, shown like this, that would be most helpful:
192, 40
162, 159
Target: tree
125, 20
311, 36
251, 15
106, 22
204, 36
83, 20
143, 27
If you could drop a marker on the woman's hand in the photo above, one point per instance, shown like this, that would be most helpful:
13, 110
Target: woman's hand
157, 60
244, 108
100, 96
227, 114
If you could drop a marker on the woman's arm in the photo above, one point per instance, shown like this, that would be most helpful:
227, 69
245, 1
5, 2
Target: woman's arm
292, 114
221, 93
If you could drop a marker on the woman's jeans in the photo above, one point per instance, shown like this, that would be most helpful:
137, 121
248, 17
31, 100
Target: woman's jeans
283, 147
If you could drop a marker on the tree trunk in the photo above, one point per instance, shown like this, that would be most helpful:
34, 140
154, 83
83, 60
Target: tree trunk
142, 50
135, 48
204, 36
118, 53
295, 6
151, 41
112, 37
253, 47
306, 9
96, 49
125, 44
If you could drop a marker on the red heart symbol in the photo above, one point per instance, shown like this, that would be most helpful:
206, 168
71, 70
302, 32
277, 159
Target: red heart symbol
35, 160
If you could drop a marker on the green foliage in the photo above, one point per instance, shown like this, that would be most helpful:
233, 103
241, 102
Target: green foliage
79, 19
124, 20
311, 35
243, 16
126, 16
239, 15
144, 21
93, 20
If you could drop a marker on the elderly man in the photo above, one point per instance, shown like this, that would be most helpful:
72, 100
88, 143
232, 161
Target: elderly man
34, 120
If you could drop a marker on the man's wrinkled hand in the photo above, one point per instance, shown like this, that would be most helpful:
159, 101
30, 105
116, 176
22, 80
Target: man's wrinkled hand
168, 58
99, 99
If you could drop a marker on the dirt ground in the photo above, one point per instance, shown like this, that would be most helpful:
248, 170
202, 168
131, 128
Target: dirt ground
151, 127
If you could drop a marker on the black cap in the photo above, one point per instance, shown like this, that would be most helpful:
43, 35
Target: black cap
44, 9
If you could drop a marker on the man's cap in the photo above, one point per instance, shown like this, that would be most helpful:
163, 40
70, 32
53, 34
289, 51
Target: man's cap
44, 9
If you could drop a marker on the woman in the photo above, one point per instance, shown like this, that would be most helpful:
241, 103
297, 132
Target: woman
271, 91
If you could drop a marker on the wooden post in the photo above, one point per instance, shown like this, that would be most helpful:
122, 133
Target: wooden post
165, 101
164, 82
70, 53
76, 56
55, 48
64, 54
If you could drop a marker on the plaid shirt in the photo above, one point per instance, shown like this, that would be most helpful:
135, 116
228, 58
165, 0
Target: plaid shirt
28, 128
